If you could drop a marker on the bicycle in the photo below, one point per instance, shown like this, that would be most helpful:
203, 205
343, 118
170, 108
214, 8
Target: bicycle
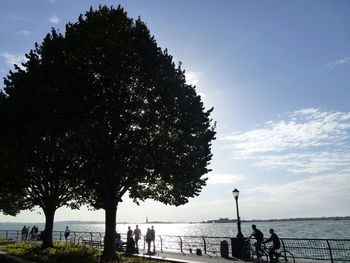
283, 256
253, 256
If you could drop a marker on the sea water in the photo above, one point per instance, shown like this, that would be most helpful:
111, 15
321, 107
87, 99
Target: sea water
327, 229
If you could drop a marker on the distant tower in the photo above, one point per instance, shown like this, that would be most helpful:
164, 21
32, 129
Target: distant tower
146, 219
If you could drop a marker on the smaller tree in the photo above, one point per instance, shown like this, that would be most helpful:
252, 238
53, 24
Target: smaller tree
11, 194
38, 132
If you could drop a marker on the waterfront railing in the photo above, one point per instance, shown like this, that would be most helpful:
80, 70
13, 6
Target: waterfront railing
329, 250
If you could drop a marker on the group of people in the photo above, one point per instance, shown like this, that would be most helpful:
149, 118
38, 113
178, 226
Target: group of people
29, 234
33, 234
259, 236
133, 237
149, 238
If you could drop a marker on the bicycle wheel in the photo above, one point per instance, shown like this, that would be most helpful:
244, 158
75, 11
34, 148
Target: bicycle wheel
285, 256
254, 256
251, 254
265, 256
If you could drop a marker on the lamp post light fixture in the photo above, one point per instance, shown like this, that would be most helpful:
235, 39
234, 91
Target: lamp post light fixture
235, 195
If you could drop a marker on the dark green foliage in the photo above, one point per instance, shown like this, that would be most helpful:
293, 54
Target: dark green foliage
36, 153
142, 130
106, 106
59, 254
63, 254
11, 195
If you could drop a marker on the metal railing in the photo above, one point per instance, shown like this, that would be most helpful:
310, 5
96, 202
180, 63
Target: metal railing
329, 250
189, 244
75, 237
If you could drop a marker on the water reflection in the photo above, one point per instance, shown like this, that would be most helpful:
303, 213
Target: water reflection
296, 229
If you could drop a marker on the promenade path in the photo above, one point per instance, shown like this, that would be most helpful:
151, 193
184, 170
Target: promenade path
162, 256
190, 258
175, 257
5, 258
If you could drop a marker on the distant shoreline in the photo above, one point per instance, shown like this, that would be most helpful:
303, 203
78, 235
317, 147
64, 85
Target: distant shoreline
220, 220
300, 219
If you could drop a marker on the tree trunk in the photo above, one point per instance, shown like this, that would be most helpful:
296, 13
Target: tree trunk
49, 219
109, 253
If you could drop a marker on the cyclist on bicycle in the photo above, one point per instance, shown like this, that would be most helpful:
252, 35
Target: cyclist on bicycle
276, 244
259, 236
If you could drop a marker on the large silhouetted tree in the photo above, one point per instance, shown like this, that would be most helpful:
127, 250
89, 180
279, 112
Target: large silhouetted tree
105, 105
143, 130
35, 154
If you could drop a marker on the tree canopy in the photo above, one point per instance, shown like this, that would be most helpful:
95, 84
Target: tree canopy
108, 107
11, 194
36, 163
143, 130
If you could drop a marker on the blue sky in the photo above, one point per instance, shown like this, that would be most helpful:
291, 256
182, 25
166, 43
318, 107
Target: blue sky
277, 74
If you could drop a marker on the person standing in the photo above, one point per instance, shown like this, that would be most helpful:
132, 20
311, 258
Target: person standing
276, 244
259, 236
153, 238
36, 231
28, 237
148, 239
137, 234
118, 242
129, 233
33, 233
24, 233
130, 243
66, 233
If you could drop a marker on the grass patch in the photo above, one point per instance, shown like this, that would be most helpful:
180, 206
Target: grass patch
2, 239
60, 253
64, 253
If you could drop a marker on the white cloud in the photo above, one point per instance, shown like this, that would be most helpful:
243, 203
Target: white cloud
16, 18
11, 59
214, 178
315, 189
303, 129
316, 196
54, 19
309, 162
192, 78
338, 62
308, 140
23, 32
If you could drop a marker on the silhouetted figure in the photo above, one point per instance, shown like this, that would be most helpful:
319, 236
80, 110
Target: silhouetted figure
118, 242
148, 239
24, 233
33, 233
28, 233
153, 238
137, 234
130, 243
66, 233
129, 233
276, 244
259, 236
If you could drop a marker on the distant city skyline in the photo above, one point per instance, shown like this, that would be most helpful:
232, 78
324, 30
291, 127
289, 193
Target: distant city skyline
278, 76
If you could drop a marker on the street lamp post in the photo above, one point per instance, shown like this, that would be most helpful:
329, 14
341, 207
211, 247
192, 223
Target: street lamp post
235, 195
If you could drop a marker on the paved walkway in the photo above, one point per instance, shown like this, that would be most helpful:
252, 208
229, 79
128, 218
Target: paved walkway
175, 257
164, 256
190, 258
5, 257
